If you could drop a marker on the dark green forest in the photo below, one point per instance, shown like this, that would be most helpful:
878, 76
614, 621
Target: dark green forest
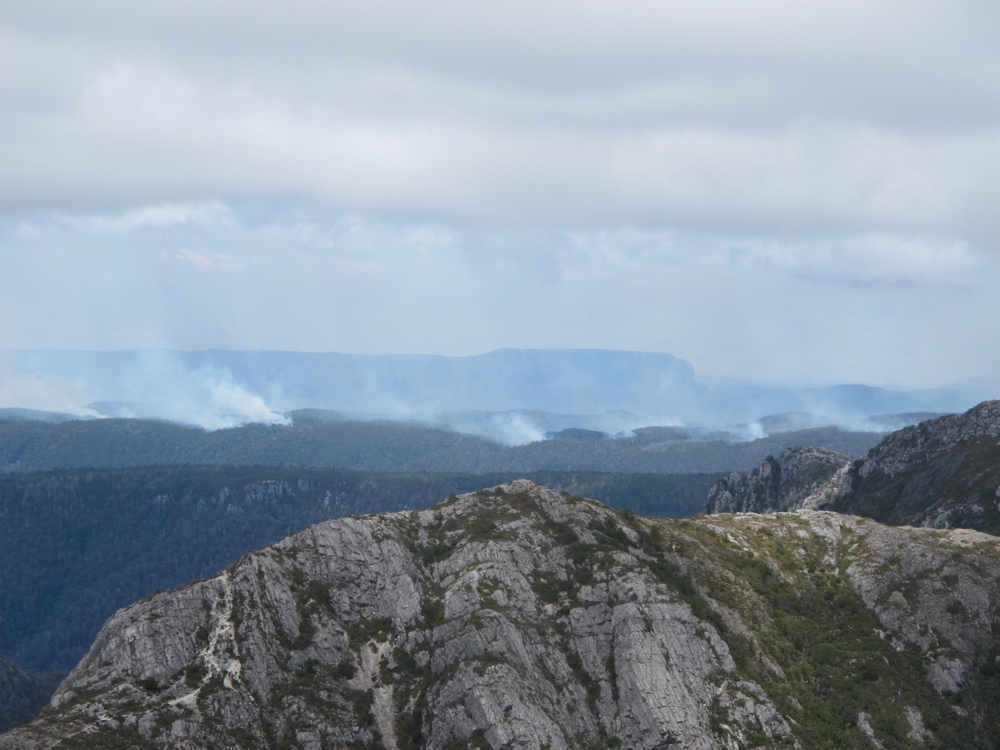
388, 446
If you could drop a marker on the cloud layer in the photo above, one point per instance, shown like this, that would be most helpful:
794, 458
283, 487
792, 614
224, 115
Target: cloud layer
773, 116
706, 179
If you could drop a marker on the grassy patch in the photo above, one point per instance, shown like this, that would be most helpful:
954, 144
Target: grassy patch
366, 629
812, 624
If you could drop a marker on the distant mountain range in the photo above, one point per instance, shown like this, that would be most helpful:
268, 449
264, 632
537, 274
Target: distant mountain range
497, 395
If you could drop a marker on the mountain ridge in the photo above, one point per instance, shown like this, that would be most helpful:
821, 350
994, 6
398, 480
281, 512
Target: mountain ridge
521, 617
76, 545
219, 388
799, 477
941, 473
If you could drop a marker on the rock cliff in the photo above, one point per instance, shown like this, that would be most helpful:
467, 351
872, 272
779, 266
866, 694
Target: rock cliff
800, 477
518, 617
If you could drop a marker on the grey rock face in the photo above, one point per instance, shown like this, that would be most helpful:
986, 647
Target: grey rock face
473, 617
518, 617
800, 477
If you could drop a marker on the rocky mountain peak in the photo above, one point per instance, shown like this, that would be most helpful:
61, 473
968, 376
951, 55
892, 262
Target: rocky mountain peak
800, 477
921, 443
510, 616
941, 473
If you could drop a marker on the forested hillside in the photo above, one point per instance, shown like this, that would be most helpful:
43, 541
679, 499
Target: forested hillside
22, 694
386, 446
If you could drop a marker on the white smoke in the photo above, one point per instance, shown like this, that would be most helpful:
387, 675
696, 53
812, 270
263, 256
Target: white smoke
152, 384
211, 398
45, 393
515, 429
222, 390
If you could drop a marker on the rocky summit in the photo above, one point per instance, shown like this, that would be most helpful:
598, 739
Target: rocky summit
517, 617
800, 477
941, 473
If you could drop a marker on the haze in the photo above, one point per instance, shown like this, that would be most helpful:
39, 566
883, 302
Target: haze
772, 190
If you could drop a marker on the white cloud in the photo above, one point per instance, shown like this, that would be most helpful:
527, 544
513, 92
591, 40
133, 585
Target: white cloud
213, 262
865, 259
875, 259
149, 218
161, 217
870, 117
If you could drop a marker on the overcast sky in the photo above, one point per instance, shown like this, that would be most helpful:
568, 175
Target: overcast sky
775, 190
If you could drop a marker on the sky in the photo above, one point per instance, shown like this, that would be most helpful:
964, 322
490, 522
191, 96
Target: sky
771, 190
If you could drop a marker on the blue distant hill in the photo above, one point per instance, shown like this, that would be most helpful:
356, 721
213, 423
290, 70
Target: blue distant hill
220, 388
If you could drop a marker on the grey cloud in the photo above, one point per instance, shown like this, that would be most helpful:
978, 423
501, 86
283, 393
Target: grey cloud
568, 45
865, 116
